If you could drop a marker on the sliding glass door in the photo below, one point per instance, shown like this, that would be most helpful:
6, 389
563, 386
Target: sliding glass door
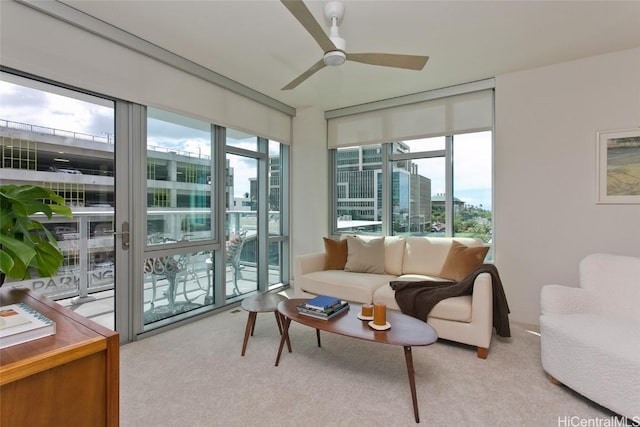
64, 140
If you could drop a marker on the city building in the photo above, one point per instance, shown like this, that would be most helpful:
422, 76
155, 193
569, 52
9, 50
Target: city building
359, 190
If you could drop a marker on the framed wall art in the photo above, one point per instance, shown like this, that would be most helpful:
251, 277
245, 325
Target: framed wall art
618, 167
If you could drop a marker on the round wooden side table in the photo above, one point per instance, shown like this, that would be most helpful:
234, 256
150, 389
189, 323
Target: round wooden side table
261, 303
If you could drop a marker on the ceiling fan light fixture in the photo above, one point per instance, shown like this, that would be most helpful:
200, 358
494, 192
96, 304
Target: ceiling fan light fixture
334, 58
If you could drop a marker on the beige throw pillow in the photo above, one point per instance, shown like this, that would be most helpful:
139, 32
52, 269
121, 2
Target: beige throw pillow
335, 256
462, 260
365, 256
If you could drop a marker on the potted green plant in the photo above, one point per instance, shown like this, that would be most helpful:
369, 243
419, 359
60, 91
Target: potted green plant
24, 242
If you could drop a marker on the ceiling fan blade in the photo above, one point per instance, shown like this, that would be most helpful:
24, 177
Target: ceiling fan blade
410, 62
304, 76
302, 14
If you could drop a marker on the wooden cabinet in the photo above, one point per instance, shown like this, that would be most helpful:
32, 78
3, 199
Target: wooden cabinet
67, 379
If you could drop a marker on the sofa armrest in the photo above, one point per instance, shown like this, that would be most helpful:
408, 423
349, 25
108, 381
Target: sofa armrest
482, 301
559, 299
309, 263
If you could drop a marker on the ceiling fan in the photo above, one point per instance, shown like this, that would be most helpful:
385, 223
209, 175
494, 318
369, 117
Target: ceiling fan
334, 46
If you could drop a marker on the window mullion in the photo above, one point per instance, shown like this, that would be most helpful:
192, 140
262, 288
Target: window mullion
449, 185
387, 175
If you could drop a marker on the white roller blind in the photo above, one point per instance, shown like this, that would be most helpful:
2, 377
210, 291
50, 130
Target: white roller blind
463, 113
39, 44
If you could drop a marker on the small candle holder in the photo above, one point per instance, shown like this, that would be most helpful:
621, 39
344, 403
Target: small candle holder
379, 314
379, 321
366, 313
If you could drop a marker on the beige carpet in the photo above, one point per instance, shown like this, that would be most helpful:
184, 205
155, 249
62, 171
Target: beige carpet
194, 376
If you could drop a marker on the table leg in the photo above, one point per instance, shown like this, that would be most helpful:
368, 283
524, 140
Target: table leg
279, 320
251, 320
285, 337
412, 381
318, 337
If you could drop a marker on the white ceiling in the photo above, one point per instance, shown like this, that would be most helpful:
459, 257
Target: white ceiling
261, 45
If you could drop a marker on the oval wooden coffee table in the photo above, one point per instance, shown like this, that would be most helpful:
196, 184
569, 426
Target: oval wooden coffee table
405, 331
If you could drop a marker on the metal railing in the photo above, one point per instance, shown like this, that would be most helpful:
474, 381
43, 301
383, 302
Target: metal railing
87, 243
43, 130
105, 137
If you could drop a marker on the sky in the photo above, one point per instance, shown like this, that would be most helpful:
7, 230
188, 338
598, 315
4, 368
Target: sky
472, 169
35, 107
94, 116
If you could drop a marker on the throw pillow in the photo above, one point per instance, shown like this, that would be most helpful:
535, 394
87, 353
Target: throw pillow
335, 254
365, 256
462, 260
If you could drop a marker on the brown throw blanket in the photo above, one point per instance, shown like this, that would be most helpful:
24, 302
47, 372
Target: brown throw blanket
417, 298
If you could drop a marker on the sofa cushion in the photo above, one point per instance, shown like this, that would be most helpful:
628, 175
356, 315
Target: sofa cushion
393, 252
456, 308
426, 255
613, 338
462, 260
335, 254
365, 256
597, 356
350, 286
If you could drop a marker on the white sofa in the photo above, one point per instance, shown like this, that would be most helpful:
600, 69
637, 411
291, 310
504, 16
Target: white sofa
466, 319
590, 336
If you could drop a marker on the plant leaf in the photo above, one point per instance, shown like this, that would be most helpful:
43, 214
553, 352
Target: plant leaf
47, 260
22, 243
17, 249
6, 261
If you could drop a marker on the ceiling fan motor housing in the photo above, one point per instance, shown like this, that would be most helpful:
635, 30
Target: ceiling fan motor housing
333, 12
334, 58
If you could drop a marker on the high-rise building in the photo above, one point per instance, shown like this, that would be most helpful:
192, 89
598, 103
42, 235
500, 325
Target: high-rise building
359, 188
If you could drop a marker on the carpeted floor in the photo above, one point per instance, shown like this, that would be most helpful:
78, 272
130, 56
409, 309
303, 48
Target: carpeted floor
194, 376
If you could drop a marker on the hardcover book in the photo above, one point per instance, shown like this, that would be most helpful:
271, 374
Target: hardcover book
324, 315
20, 323
322, 302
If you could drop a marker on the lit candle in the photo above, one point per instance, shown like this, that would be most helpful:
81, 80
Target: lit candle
367, 310
379, 314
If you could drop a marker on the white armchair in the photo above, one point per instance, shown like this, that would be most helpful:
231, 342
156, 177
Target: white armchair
590, 336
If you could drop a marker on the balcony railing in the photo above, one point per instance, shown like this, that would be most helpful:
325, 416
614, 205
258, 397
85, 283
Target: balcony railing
43, 130
87, 243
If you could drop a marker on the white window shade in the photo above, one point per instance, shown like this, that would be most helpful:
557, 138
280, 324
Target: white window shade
463, 113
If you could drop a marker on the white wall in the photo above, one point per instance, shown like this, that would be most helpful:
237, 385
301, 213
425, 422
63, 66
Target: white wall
309, 184
546, 218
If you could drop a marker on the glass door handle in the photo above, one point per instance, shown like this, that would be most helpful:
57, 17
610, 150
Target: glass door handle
124, 234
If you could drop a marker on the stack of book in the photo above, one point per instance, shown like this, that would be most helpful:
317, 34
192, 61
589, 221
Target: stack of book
323, 307
20, 323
